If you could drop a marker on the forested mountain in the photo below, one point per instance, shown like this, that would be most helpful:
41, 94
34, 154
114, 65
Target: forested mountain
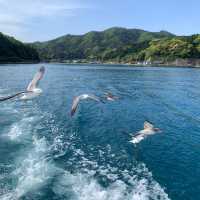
14, 51
169, 49
114, 44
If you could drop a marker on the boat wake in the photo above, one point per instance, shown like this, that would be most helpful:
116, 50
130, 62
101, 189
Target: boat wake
79, 176
85, 186
20, 128
86, 179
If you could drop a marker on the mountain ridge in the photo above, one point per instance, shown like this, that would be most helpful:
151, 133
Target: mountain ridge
95, 31
113, 45
97, 45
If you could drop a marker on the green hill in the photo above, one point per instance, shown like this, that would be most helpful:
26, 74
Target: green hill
13, 51
114, 44
170, 49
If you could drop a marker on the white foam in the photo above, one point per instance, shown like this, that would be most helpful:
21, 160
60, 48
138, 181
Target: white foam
35, 169
136, 184
14, 132
20, 128
81, 187
85, 187
33, 172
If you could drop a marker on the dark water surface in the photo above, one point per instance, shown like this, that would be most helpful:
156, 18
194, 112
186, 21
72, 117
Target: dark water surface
45, 154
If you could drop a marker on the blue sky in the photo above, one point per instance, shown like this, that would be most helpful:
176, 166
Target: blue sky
40, 20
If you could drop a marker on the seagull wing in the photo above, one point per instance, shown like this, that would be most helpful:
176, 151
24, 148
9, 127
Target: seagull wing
93, 97
38, 76
148, 125
12, 96
137, 134
75, 105
82, 97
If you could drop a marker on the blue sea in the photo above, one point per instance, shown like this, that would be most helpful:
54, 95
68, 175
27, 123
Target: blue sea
47, 155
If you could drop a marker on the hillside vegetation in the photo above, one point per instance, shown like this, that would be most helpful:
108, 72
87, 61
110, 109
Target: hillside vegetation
114, 44
117, 45
171, 49
13, 51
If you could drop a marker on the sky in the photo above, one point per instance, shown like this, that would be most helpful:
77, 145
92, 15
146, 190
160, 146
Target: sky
42, 20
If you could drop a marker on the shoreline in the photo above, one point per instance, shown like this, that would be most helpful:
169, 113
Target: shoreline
6, 63
105, 63
20, 62
124, 64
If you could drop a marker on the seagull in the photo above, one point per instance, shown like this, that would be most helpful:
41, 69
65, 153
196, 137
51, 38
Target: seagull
147, 131
82, 97
32, 90
110, 97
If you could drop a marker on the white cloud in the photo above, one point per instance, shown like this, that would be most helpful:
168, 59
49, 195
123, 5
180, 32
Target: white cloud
18, 16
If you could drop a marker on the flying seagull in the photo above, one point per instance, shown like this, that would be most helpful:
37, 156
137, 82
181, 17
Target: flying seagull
110, 97
32, 90
82, 97
147, 131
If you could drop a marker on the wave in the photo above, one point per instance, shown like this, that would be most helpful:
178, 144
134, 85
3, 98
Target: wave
85, 187
33, 172
85, 179
86, 182
21, 128
81, 178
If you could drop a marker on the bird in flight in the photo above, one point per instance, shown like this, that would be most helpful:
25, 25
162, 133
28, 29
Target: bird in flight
77, 100
147, 131
32, 89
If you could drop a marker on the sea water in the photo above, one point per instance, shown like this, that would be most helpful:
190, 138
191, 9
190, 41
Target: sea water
47, 155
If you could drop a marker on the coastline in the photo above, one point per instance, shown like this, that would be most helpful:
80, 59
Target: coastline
21, 62
172, 65
179, 62
167, 65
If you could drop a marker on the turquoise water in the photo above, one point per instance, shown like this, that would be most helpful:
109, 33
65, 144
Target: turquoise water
45, 154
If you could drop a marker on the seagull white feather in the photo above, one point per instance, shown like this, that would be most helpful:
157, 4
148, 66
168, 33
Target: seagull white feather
82, 97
